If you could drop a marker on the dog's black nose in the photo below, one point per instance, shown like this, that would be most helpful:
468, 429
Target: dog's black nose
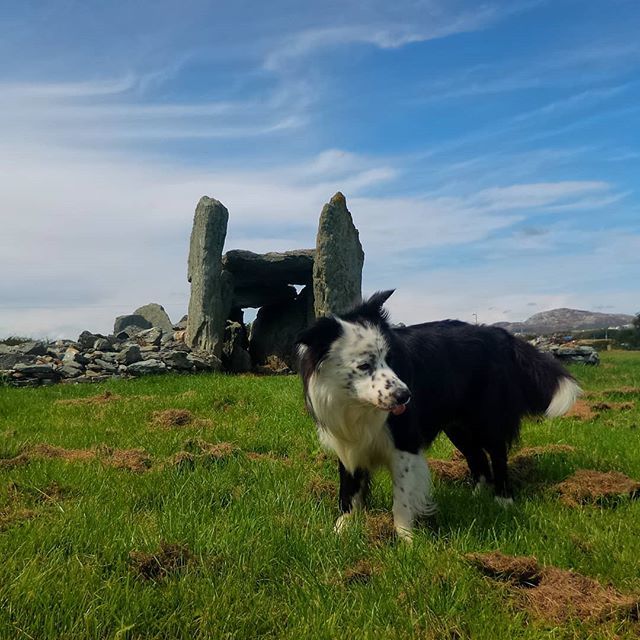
402, 396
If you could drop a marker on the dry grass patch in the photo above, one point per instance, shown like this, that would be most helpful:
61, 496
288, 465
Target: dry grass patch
522, 464
136, 460
554, 594
612, 406
268, 455
379, 529
170, 558
581, 410
170, 418
587, 486
12, 515
359, 573
321, 488
449, 470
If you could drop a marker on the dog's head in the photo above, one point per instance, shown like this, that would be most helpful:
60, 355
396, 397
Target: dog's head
350, 354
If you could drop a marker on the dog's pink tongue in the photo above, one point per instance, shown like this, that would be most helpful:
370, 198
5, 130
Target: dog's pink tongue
399, 410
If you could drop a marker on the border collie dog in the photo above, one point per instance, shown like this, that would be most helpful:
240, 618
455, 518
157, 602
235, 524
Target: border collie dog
380, 395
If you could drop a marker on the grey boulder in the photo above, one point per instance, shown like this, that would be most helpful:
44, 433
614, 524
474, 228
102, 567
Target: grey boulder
156, 316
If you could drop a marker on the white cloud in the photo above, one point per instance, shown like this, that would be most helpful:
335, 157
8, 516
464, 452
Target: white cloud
88, 236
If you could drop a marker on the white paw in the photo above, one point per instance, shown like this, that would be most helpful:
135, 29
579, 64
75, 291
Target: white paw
504, 502
480, 485
404, 534
342, 522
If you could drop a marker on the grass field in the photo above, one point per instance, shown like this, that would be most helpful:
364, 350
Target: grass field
235, 540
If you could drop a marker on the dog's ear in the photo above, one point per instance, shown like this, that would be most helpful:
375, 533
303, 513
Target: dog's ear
316, 341
378, 299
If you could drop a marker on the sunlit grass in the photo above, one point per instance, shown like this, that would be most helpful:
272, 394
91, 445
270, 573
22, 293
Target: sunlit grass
263, 558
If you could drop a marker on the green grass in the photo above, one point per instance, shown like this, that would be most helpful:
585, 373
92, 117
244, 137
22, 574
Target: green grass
266, 562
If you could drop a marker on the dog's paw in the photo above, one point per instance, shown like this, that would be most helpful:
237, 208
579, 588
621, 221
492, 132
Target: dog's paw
404, 534
504, 502
342, 522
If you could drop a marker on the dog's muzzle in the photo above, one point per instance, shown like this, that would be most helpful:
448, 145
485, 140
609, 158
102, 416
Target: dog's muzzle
402, 397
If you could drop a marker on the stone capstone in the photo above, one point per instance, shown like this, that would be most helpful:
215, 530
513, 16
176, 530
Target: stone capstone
210, 299
270, 269
257, 295
337, 268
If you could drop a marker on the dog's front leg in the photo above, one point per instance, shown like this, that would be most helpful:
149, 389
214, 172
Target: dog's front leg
412, 491
353, 493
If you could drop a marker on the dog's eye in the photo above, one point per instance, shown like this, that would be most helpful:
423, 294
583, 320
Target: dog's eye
365, 366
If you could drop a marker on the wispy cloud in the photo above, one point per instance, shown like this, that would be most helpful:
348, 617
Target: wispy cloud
417, 22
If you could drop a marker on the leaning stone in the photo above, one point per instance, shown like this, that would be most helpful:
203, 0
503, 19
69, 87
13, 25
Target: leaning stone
129, 354
145, 367
208, 308
122, 323
156, 316
337, 269
270, 269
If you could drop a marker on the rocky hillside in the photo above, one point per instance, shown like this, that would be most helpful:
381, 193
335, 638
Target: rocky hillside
566, 320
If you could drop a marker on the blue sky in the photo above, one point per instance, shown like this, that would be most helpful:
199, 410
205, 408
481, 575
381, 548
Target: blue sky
489, 151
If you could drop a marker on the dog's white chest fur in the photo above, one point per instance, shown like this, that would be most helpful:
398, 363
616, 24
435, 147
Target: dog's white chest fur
357, 433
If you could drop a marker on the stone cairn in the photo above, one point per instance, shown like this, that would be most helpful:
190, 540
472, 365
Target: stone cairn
213, 335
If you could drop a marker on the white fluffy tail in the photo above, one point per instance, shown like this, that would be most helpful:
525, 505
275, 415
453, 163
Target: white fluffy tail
567, 392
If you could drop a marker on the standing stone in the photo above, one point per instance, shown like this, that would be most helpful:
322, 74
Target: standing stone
207, 312
337, 268
156, 316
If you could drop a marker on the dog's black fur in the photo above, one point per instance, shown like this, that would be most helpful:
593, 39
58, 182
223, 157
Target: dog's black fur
475, 383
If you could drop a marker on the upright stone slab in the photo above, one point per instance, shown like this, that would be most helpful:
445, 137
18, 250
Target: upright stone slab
337, 268
208, 308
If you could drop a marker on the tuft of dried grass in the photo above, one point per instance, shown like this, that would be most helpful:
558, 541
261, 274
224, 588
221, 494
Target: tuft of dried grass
588, 486
555, 594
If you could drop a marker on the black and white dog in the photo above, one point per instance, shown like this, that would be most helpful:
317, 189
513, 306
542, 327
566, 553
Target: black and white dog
380, 396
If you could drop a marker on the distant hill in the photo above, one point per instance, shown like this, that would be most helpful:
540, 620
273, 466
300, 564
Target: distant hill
567, 320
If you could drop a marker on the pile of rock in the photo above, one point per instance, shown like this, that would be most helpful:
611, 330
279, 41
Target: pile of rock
568, 352
142, 343
289, 289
